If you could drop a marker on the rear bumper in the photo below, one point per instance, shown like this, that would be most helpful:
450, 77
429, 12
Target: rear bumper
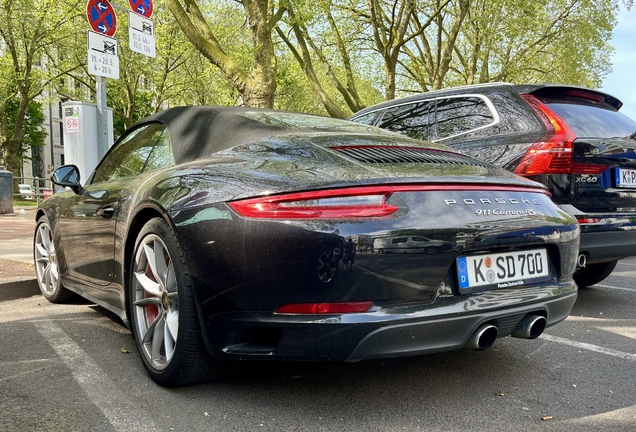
384, 332
612, 238
602, 246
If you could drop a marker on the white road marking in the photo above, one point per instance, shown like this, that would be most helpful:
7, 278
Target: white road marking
628, 332
614, 287
611, 420
99, 388
589, 347
624, 273
21, 362
11, 365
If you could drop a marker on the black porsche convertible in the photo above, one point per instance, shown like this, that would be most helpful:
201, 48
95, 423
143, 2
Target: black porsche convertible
226, 234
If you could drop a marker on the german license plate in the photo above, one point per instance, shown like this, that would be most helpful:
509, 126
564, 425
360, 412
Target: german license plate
502, 270
625, 177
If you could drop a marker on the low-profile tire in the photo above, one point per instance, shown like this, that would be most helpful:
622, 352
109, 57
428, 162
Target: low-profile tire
164, 318
47, 269
594, 273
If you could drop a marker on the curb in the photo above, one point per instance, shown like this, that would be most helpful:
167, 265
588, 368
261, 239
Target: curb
17, 288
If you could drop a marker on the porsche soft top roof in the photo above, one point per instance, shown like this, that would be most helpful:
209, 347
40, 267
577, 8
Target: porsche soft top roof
199, 131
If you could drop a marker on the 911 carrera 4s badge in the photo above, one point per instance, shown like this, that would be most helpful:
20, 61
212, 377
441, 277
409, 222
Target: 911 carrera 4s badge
502, 270
498, 206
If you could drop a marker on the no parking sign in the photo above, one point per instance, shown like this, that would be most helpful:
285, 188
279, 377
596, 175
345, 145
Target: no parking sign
142, 7
71, 120
101, 17
72, 125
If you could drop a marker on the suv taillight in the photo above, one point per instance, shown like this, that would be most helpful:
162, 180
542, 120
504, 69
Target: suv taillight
552, 154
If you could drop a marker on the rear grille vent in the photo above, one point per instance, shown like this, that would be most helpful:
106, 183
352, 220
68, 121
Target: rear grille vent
390, 154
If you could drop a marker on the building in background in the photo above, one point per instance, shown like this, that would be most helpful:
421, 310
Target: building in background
42, 161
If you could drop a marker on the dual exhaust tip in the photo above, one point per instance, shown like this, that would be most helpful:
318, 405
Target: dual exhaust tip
530, 327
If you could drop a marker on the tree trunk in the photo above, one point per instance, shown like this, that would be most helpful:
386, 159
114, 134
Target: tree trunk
12, 143
261, 87
258, 87
389, 70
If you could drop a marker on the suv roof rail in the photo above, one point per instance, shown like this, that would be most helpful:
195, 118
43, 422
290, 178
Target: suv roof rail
431, 94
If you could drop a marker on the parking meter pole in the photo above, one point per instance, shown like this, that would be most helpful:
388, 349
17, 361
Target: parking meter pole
6, 192
102, 118
38, 190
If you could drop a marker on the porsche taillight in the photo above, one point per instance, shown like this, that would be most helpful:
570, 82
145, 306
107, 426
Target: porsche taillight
353, 202
359, 202
552, 154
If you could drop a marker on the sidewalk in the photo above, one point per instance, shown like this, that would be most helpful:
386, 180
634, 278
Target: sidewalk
17, 273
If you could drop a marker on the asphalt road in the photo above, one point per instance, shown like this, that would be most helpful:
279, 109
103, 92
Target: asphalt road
62, 369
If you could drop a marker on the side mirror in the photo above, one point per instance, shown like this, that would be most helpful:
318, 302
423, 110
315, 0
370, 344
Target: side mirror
68, 176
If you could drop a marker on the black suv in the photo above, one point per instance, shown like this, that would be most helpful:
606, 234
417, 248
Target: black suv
571, 139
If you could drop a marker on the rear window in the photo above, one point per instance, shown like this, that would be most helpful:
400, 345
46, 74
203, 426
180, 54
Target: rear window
458, 115
594, 120
409, 119
367, 119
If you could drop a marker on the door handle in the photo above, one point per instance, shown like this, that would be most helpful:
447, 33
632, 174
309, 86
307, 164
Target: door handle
106, 212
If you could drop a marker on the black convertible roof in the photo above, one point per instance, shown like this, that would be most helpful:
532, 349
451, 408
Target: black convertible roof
198, 131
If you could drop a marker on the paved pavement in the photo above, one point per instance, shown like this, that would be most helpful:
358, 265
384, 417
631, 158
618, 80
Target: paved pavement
66, 367
17, 273
75, 367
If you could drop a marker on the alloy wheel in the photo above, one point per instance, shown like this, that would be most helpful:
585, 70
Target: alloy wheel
46, 268
156, 302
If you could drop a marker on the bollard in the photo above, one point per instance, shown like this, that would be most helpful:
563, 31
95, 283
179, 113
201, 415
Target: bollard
6, 192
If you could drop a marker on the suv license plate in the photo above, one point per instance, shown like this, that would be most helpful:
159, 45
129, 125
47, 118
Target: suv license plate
625, 178
502, 270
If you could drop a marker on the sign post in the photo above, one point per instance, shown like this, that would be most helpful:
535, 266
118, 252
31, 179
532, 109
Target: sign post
102, 118
103, 61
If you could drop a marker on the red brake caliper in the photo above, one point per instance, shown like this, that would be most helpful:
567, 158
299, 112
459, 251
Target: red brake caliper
151, 310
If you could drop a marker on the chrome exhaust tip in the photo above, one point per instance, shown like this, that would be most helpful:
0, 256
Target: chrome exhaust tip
581, 261
483, 338
530, 327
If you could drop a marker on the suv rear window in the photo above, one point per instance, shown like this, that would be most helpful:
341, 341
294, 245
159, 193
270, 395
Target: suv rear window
458, 115
409, 119
593, 120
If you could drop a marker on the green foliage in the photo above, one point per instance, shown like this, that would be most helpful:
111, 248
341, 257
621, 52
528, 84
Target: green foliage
141, 108
33, 133
32, 32
342, 69
522, 41
20, 203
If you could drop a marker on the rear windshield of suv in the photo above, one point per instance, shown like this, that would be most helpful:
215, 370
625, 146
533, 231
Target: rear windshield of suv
593, 120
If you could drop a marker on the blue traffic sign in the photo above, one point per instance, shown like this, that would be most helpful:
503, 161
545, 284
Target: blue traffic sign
142, 7
101, 17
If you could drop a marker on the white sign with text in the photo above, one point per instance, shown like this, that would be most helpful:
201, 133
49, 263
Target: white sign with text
141, 35
103, 59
